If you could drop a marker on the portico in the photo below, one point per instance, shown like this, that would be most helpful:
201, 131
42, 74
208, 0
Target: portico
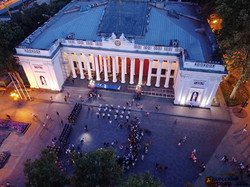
136, 66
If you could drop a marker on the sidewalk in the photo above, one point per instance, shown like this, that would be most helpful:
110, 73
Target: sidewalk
234, 144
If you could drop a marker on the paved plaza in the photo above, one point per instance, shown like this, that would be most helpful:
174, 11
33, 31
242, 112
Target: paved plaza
163, 139
206, 131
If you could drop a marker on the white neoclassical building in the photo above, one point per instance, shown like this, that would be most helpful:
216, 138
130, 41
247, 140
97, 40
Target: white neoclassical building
157, 44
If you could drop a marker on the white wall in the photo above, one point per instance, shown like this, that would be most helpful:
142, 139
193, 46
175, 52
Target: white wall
41, 72
196, 88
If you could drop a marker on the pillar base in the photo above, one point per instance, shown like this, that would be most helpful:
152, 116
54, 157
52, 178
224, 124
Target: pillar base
114, 81
166, 86
131, 83
74, 76
123, 82
82, 77
148, 84
106, 80
98, 79
157, 86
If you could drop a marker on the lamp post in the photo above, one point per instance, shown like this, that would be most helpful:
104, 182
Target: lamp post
91, 84
14, 95
243, 105
138, 89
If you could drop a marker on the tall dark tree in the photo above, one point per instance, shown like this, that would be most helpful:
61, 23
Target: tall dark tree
43, 172
98, 168
10, 35
142, 180
234, 38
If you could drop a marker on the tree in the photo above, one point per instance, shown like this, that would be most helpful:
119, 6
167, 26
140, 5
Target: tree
97, 168
234, 38
142, 180
10, 35
43, 172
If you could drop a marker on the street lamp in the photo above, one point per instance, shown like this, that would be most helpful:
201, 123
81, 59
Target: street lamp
91, 84
14, 95
138, 89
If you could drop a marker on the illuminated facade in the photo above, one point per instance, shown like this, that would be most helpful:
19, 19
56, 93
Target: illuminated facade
153, 44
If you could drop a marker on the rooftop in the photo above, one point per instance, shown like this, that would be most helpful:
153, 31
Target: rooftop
156, 24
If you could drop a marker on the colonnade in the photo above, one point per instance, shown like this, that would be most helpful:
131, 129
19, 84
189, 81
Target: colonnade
104, 63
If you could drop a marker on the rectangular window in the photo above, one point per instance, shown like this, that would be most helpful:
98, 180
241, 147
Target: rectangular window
163, 71
172, 72
75, 64
90, 64
82, 65
154, 70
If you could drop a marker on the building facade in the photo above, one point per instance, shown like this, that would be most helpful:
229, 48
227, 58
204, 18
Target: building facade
160, 44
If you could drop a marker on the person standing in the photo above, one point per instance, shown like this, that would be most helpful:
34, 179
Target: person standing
244, 130
203, 168
62, 121
108, 115
194, 151
97, 114
68, 95
65, 99
142, 157
86, 128
224, 159
80, 97
47, 116
8, 116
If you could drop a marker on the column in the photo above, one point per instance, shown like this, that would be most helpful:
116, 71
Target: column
132, 70
141, 72
106, 79
72, 66
117, 64
158, 74
109, 64
114, 69
166, 85
126, 60
80, 66
123, 70
101, 63
149, 72
88, 66
97, 71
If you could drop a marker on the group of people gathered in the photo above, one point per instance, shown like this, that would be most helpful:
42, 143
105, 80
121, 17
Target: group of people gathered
133, 151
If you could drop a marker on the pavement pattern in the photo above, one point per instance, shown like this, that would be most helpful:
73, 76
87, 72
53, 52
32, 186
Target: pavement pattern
212, 132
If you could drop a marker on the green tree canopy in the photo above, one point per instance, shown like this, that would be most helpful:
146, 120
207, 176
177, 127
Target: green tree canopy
22, 24
234, 38
10, 35
43, 172
97, 168
142, 180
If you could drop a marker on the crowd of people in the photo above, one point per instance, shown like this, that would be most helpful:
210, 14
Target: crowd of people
133, 150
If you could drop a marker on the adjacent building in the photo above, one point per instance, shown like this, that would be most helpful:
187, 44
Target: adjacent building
157, 44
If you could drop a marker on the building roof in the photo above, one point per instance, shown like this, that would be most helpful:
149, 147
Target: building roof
157, 24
